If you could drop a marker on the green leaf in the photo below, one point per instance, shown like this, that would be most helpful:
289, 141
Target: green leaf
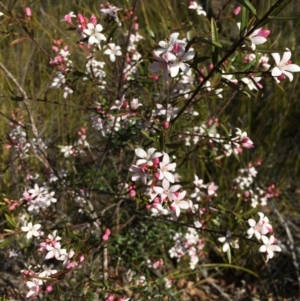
6, 242
273, 50
244, 22
210, 42
200, 59
146, 134
279, 6
10, 220
214, 38
175, 145
249, 6
150, 32
285, 18
249, 212
17, 98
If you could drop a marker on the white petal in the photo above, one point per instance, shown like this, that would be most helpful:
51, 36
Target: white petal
276, 58
286, 57
276, 72
140, 153
288, 75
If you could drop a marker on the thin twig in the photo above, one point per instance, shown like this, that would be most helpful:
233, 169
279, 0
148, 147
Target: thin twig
34, 130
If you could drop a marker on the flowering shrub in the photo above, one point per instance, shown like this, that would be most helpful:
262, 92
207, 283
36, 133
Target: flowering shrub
149, 184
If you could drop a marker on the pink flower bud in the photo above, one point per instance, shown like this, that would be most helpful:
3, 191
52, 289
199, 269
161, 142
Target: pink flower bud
166, 125
28, 12
81, 18
93, 20
237, 10
49, 288
132, 193
136, 26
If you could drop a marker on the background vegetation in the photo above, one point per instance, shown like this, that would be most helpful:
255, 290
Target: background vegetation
270, 117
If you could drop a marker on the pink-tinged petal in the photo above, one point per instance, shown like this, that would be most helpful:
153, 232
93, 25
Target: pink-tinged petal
174, 188
276, 72
286, 57
292, 68
264, 33
276, 58
173, 37
169, 57
288, 75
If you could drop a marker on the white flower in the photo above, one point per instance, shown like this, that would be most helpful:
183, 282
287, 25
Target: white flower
55, 251
139, 174
32, 230
166, 191
112, 51
165, 168
34, 287
269, 246
284, 65
197, 7
67, 150
94, 34
147, 157
227, 242
179, 203
259, 228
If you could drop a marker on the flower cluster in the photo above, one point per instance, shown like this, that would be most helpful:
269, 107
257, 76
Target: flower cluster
260, 229
188, 245
172, 57
156, 170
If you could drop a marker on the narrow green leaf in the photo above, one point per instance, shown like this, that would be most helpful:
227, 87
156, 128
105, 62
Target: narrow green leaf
210, 42
285, 18
249, 6
279, 6
150, 32
200, 59
146, 134
175, 145
214, 38
273, 50
244, 22
10, 220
